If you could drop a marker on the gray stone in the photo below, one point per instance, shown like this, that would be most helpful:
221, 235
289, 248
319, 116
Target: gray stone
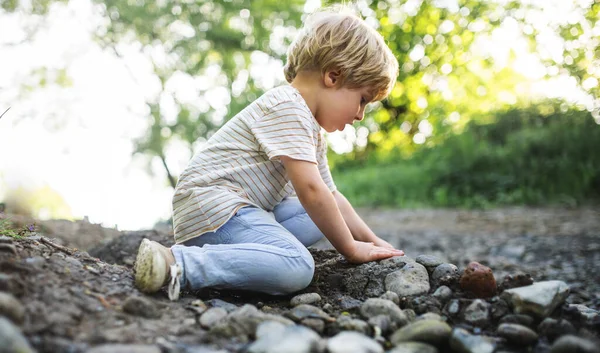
429, 261
353, 342
574, 344
391, 296
269, 327
140, 306
442, 273
244, 322
12, 308
316, 325
306, 311
293, 339
348, 303
539, 299
347, 323
306, 298
517, 334
412, 279
124, 348
443, 294
588, 315
552, 328
477, 313
430, 316
520, 319
212, 316
11, 338
453, 307
463, 342
413, 347
376, 306
383, 322
433, 332
218, 303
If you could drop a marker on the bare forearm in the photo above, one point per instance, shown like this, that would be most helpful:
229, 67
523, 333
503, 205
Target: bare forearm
359, 229
322, 208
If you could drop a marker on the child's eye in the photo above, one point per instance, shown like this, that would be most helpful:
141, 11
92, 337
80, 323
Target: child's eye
363, 101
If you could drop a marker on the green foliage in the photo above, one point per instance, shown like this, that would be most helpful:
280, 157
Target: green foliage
524, 158
7, 229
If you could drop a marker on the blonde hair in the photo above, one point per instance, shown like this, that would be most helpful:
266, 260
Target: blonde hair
335, 38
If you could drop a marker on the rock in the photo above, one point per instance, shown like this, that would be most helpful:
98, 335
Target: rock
499, 308
124, 348
424, 304
140, 306
518, 280
212, 316
477, 313
293, 339
12, 308
375, 306
463, 342
443, 294
244, 321
367, 280
347, 323
348, 303
452, 307
539, 299
317, 325
520, 319
218, 303
306, 298
429, 316
517, 334
11, 338
414, 347
306, 311
383, 322
444, 274
412, 279
433, 332
429, 261
352, 342
328, 307
391, 296
587, 315
269, 327
574, 344
478, 280
552, 328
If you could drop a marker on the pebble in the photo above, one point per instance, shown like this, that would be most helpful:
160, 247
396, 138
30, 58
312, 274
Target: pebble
293, 339
429, 261
539, 299
464, 342
444, 274
430, 316
453, 307
376, 306
412, 279
477, 313
306, 298
434, 332
124, 348
244, 322
305, 311
348, 303
391, 296
218, 303
552, 328
520, 319
588, 315
212, 316
478, 280
140, 306
443, 294
347, 323
574, 344
269, 327
517, 334
11, 338
316, 325
12, 308
352, 342
414, 347
383, 322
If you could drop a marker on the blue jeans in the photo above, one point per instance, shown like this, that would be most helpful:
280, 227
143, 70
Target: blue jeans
255, 250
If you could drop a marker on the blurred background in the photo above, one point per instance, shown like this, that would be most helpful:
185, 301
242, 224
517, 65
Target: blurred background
104, 102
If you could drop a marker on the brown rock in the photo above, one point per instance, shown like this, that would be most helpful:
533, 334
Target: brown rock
478, 280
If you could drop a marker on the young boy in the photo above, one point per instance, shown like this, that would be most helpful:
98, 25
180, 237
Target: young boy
260, 191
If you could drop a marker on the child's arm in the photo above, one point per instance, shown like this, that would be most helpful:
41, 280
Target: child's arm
322, 208
359, 229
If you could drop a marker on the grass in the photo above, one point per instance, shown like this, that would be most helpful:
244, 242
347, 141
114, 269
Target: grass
7, 229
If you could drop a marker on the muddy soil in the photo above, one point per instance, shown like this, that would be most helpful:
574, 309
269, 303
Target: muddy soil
73, 301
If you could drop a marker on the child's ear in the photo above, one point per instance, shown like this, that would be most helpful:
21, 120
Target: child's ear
331, 78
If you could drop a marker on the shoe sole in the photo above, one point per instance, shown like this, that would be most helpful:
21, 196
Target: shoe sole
148, 265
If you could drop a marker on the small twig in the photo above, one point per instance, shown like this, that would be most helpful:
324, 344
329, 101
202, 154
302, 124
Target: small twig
4, 112
56, 246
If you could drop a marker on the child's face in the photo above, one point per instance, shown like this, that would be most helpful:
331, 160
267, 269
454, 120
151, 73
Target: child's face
341, 106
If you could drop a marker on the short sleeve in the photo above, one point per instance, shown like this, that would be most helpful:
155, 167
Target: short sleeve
324, 165
287, 130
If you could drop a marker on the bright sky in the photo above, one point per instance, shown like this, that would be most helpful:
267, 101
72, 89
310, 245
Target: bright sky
77, 140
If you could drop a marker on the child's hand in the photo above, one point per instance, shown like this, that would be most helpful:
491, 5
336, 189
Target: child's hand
383, 243
365, 252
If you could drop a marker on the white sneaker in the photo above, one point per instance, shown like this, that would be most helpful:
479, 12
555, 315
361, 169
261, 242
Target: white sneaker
155, 267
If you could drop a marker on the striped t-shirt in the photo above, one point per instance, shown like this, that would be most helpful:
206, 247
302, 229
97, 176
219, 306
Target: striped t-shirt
239, 165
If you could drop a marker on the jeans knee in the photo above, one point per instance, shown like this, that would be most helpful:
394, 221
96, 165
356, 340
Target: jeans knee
298, 279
